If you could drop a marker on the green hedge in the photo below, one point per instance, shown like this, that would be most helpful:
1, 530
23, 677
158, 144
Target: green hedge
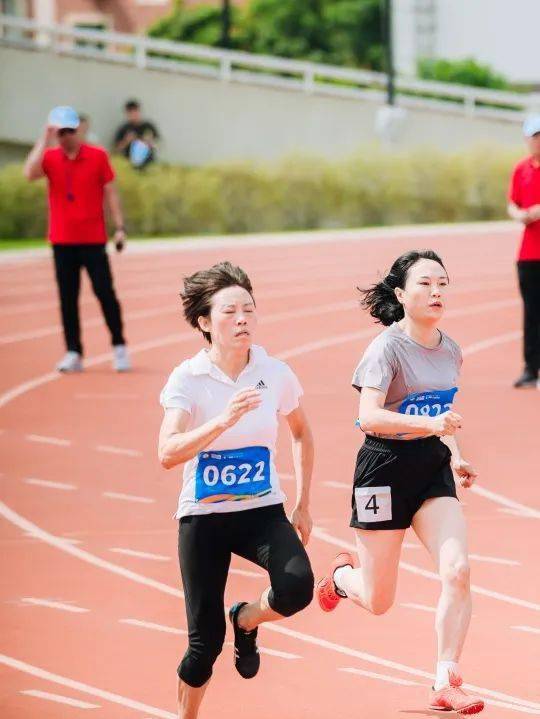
370, 188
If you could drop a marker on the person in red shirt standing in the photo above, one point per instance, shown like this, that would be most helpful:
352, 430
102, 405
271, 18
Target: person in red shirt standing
524, 206
80, 178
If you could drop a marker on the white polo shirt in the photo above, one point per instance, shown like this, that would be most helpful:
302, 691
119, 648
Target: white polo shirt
237, 470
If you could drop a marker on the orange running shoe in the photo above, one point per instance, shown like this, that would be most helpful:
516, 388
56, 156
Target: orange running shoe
454, 698
326, 589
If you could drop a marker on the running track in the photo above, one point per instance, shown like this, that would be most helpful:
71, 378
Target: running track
92, 609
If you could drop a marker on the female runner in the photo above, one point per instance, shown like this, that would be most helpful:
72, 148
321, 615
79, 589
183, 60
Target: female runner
221, 420
407, 380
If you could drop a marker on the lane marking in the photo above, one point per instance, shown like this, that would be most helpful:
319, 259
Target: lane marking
46, 483
48, 440
28, 526
119, 450
338, 485
271, 652
51, 604
515, 512
140, 555
85, 688
128, 497
246, 573
421, 607
59, 699
153, 625
411, 545
523, 628
495, 560
325, 537
382, 677
505, 501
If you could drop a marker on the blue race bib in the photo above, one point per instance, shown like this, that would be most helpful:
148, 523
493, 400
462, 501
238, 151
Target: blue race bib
232, 474
430, 403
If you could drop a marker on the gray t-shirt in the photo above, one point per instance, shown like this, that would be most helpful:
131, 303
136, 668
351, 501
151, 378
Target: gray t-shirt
416, 379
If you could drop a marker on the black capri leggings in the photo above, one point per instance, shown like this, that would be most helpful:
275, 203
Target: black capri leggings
205, 545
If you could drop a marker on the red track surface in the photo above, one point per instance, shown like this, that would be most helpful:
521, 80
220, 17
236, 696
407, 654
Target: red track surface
309, 315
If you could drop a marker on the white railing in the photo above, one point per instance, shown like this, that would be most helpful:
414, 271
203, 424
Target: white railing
232, 66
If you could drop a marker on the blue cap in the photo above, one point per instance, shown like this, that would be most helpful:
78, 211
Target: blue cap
531, 126
63, 116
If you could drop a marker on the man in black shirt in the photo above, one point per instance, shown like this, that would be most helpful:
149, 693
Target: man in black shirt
136, 138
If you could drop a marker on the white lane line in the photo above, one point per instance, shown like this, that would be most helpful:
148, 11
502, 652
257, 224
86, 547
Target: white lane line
338, 485
46, 483
421, 607
118, 450
411, 545
128, 497
325, 537
272, 652
59, 699
382, 677
506, 502
85, 688
532, 630
51, 604
48, 440
153, 625
140, 555
105, 395
26, 525
495, 560
246, 573
515, 513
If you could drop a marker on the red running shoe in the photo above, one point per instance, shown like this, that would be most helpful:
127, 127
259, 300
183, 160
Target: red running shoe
453, 698
326, 589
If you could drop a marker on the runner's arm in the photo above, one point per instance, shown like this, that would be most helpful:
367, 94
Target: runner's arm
303, 453
520, 214
176, 445
373, 418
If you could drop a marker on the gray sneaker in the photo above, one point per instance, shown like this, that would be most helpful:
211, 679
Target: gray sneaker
70, 362
121, 361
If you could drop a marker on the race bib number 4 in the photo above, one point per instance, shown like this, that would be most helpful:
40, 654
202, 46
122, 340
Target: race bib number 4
232, 475
430, 403
373, 504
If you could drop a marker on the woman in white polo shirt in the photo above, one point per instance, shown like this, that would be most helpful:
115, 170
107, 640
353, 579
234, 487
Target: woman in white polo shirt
221, 421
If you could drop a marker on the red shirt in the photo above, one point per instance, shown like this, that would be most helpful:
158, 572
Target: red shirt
525, 192
76, 214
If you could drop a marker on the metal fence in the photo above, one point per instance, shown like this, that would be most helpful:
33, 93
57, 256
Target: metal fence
242, 67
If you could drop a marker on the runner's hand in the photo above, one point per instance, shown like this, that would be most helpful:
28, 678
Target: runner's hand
533, 214
465, 471
120, 240
302, 522
445, 424
242, 402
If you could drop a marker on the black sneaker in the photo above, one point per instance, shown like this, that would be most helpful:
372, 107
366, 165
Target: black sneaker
529, 378
246, 654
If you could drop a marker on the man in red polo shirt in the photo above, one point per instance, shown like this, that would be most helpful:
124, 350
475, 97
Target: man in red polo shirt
79, 178
524, 206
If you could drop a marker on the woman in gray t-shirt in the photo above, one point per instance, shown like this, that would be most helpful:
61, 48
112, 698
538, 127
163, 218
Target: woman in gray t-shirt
408, 378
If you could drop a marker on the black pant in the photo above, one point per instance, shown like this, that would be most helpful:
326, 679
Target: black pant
529, 284
68, 261
205, 544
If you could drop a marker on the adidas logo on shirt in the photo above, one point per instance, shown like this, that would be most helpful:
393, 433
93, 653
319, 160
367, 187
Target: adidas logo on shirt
260, 385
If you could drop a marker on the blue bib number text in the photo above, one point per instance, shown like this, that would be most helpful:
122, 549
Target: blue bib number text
430, 403
232, 474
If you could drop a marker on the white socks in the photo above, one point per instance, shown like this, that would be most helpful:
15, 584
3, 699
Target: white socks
443, 673
339, 576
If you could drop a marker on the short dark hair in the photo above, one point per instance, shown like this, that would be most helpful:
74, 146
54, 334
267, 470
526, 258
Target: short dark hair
132, 105
380, 299
200, 287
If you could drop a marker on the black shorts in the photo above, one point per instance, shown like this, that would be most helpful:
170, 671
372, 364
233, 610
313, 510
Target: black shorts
393, 478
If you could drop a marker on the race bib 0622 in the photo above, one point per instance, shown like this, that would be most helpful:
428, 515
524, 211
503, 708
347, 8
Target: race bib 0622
232, 474
430, 403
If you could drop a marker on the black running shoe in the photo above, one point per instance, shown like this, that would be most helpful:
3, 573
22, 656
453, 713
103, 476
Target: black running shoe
246, 654
529, 378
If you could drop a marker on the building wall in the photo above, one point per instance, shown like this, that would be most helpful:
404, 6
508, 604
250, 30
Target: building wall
500, 33
205, 120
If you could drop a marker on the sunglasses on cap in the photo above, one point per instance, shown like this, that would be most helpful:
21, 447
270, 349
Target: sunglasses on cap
66, 131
